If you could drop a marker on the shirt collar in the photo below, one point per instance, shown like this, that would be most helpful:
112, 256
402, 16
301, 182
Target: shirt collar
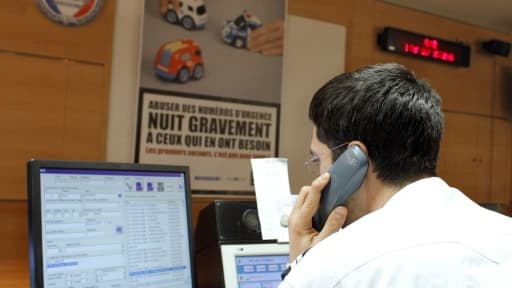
417, 189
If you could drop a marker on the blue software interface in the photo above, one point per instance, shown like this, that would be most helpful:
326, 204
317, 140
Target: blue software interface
262, 271
109, 228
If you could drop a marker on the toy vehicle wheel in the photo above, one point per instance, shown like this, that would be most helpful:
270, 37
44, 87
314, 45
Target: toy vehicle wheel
239, 42
198, 71
183, 75
188, 23
171, 16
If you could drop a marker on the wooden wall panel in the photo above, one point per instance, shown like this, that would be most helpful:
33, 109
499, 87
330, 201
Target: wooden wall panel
465, 156
28, 30
360, 46
324, 10
14, 244
14, 223
503, 88
51, 109
86, 112
501, 162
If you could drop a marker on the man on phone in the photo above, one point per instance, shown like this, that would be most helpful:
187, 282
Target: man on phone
401, 226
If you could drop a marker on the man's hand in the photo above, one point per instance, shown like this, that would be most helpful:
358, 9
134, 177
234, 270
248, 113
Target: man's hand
300, 222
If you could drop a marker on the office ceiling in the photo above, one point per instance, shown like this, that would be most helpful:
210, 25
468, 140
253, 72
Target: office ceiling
491, 14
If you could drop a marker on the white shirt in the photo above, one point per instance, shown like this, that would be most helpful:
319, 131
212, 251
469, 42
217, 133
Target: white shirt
426, 235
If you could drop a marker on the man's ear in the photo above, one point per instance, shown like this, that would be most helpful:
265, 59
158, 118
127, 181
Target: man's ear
361, 145
365, 151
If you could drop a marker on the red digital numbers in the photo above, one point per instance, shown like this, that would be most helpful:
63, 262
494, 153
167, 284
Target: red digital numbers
430, 43
429, 49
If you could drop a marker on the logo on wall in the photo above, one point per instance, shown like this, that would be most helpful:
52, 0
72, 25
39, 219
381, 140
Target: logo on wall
70, 12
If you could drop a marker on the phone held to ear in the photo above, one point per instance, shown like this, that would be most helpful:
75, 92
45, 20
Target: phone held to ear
347, 175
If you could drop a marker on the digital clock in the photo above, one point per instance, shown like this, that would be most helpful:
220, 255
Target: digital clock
422, 46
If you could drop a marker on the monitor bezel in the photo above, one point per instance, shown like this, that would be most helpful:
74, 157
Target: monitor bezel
34, 167
229, 252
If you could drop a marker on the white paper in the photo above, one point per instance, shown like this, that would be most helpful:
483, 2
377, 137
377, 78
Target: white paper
285, 207
273, 196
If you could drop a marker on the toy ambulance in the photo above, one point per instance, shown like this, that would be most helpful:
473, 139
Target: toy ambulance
179, 60
191, 14
236, 32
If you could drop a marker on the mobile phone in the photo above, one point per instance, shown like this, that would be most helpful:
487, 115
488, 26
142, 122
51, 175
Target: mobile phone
347, 175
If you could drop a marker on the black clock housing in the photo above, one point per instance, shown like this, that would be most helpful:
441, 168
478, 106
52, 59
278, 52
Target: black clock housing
422, 46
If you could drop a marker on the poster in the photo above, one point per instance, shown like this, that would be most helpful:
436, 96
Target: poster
222, 55
215, 138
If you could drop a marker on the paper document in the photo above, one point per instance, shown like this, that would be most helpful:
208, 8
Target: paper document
273, 196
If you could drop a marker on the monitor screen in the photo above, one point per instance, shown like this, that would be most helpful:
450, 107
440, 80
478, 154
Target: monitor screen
109, 225
254, 265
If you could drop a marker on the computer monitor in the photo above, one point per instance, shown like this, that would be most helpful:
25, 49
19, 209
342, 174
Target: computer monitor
96, 224
254, 265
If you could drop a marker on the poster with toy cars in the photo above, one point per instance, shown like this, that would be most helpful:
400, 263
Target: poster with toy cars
229, 50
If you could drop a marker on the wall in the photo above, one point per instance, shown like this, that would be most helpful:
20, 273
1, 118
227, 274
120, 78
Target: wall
123, 88
314, 51
54, 104
475, 153
54, 83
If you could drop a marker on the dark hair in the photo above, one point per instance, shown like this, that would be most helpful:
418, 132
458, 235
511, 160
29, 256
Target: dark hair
396, 116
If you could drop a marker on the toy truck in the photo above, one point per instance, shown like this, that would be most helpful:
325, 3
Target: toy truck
236, 32
179, 60
191, 14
